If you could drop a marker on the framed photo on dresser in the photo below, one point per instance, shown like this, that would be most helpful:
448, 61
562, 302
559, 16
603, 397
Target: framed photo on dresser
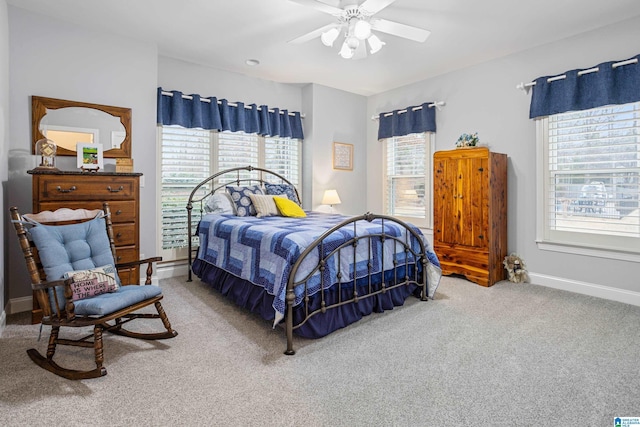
89, 156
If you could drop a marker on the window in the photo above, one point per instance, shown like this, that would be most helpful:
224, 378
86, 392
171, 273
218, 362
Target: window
591, 170
406, 181
189, 156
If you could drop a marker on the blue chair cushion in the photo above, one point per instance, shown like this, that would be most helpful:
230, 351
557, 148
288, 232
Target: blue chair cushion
108, 303
65, 248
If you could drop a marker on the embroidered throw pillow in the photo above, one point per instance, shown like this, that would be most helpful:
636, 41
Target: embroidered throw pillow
289, 208
92, 282
282, 189
240, 197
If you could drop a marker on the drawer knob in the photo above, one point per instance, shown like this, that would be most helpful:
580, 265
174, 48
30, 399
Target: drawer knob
119, 235
118, 258
119, 211
112, 190
72, 188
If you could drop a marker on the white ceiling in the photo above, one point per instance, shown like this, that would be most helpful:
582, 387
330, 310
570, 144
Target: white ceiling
225, 33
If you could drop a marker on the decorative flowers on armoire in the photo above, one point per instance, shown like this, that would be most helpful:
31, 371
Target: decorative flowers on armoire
468, 140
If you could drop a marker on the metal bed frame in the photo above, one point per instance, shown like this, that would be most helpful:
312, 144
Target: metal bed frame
215, 183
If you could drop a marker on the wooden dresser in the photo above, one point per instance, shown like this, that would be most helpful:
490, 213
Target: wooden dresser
470, 213
75, 190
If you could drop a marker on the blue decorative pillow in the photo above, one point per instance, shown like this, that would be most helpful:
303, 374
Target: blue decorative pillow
240, 196
282, 189
73, 247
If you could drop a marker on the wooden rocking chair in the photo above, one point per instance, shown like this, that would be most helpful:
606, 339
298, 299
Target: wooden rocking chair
70, 257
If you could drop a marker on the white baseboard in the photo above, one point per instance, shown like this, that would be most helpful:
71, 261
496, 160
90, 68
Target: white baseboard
591, 289
3, 321
18, 305
172, 269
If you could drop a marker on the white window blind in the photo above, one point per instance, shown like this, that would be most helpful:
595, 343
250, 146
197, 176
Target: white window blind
185, 162
190, 155
406, 163
592, 177
282, 155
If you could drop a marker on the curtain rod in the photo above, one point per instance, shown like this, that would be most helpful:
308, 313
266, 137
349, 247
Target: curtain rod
527, 86
233, 104
437, 104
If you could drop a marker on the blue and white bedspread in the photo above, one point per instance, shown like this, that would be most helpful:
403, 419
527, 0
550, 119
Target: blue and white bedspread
264, 250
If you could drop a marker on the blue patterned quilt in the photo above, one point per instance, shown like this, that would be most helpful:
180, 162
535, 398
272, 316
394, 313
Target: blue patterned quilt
264, 250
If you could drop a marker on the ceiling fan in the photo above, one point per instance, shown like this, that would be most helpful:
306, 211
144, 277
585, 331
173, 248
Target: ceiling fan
357, 22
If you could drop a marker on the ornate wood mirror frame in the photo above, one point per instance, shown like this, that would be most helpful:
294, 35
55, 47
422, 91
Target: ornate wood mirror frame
40, 106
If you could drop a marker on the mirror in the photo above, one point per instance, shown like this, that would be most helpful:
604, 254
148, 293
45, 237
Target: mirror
70, 122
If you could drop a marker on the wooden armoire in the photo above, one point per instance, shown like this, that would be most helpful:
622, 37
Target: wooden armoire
470, 213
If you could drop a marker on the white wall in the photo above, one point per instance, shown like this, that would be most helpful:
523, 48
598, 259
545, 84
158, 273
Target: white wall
4, 150
484, 99
54, 59
338, 116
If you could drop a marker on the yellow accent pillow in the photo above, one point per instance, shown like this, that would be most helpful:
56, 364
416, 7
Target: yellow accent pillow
289, 208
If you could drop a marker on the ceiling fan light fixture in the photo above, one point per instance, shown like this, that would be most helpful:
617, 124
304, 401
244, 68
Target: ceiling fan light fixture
352, 42
330, 36
375, 43
362, 29
346, 52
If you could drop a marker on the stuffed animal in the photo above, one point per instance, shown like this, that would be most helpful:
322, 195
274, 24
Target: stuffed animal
516, 268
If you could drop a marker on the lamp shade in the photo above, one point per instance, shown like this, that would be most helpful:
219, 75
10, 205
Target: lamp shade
346, 52
331, 198
375, 43
328, 37
362, 29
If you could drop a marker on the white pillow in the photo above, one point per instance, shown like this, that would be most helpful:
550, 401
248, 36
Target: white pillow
264, 205
220, 203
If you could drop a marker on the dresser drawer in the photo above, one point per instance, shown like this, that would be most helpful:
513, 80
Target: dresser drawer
124, 234
126, 254
128, 276
54, 188
120, 211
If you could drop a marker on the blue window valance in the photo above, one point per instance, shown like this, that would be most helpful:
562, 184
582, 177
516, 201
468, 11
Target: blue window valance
415, 119
192, 111
614, 82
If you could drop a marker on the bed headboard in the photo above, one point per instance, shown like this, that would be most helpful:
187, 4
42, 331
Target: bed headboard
243, 175
239, 176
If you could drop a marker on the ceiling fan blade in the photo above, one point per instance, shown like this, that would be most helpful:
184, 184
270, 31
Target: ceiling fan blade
313, 34
371, 7
400, 30
322, 7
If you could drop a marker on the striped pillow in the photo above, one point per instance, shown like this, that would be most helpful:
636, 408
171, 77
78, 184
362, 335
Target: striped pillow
264, 205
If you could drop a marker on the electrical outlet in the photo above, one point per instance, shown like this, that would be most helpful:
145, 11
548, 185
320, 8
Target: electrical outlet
142, 181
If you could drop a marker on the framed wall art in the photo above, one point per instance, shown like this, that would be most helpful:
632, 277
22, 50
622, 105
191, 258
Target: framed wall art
89, 156
342, 156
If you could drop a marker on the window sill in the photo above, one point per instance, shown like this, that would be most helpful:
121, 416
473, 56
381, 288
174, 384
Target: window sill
592, 252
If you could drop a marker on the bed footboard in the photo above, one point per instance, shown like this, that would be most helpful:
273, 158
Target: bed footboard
402, 258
